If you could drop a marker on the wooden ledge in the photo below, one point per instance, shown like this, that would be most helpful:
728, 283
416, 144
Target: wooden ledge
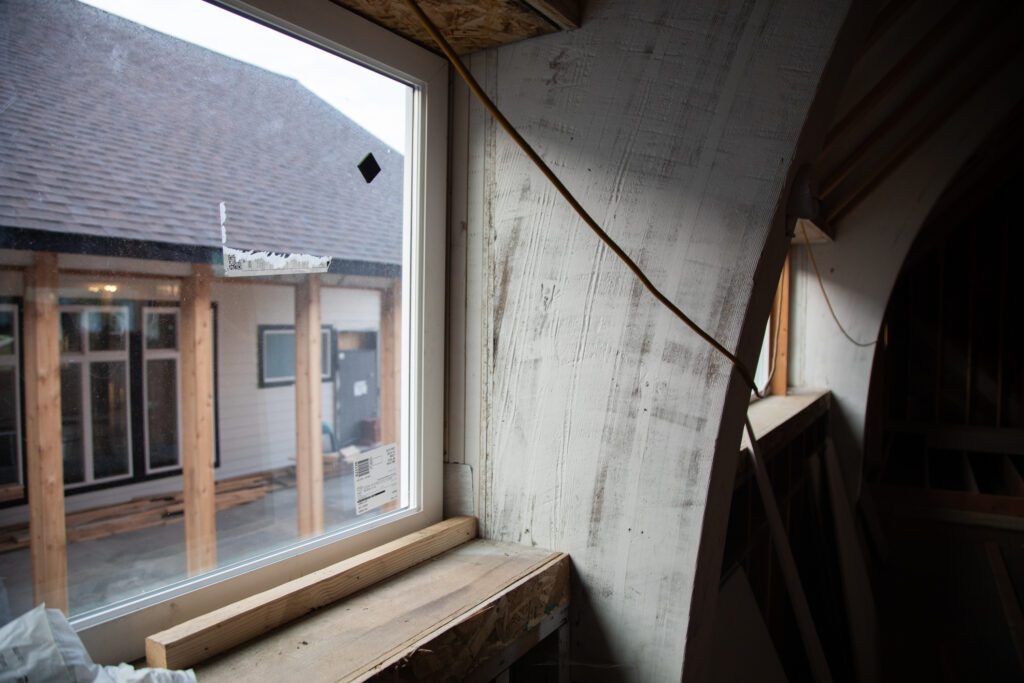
778, 419
432, 604
456, 616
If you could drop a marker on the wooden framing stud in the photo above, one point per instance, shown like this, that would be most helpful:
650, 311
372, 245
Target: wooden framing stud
48, 536
196, 348
309, 459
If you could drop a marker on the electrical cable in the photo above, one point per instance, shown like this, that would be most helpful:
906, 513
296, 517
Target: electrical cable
489, 105
821, 285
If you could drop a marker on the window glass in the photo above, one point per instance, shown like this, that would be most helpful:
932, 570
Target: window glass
6, 332
71, 332
108, 385
72, 422
278, 356
162, 412
107, 330
9, 473
161, 331
213, 188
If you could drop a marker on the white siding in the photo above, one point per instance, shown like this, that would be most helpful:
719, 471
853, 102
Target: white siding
256, 427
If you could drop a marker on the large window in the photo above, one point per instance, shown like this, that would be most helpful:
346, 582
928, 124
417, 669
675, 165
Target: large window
223, 170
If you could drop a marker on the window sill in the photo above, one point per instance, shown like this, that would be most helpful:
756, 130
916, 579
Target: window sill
778, 419
467, 611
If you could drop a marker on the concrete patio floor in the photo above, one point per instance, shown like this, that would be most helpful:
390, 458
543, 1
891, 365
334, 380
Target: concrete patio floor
105, 570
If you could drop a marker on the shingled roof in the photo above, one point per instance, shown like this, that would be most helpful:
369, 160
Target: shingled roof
118, 132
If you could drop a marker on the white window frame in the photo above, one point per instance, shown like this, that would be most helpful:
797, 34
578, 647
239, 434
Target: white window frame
117, 633
83, 359
14, 360
149, 354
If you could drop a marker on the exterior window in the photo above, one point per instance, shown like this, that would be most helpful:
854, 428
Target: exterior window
162, 382
277, 355
227, 199
94, 377
10, 399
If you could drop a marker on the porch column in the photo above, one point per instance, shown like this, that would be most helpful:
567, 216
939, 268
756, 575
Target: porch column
391, 370
309, 459
48, 538
196, 339
390, 362
779, 329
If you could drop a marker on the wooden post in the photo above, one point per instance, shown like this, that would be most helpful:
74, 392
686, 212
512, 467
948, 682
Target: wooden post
309, 458
779, 331
390, 362
390, 344
48, 536
197, 421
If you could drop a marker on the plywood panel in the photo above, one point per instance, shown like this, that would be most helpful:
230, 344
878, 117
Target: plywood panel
469, 26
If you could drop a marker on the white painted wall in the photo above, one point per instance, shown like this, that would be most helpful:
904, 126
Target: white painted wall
860, 268
676, 123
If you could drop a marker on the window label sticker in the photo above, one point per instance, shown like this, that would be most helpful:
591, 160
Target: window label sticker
253, 263
376, 478
360, 388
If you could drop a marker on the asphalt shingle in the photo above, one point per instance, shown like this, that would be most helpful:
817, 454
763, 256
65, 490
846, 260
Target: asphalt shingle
114, 130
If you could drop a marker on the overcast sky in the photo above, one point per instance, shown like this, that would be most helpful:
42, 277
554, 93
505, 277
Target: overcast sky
375, 102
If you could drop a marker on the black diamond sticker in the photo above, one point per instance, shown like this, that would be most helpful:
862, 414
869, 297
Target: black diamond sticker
369, 168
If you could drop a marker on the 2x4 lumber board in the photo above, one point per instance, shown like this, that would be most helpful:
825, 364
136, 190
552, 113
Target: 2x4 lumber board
216, 632
309, 460
779, 331
369, 635
45, 463
196, 348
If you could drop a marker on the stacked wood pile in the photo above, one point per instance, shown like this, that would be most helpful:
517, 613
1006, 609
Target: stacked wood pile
149, 511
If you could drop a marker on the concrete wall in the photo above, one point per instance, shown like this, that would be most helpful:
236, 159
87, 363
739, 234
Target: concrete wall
610, 431
860, 268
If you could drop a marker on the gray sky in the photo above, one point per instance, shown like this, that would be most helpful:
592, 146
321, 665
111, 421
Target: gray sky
375, 102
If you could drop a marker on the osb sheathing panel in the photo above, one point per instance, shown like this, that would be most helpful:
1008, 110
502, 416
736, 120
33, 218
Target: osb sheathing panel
468, 25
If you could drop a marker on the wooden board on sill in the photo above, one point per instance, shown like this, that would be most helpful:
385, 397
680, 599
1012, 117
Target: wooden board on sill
456, 614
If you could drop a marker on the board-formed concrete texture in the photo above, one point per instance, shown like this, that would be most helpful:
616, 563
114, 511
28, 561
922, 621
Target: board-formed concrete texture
677, 125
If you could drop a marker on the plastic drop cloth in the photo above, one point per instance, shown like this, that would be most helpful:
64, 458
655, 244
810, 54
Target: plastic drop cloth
40, 646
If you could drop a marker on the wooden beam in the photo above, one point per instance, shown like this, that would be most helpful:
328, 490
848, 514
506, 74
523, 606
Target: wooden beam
45, 461
210, 634
196, 348
309, 457
779, 331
